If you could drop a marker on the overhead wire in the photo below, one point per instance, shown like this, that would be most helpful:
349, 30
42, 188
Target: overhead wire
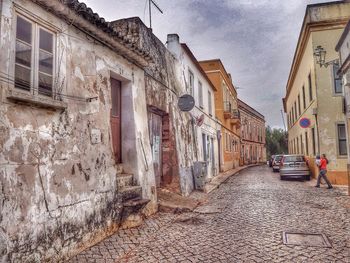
8, 79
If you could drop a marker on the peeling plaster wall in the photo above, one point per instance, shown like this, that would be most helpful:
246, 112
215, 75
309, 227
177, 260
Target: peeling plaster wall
164, 82
58, 191
210, 126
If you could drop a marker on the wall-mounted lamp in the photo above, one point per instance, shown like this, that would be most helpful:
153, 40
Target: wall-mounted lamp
320, 55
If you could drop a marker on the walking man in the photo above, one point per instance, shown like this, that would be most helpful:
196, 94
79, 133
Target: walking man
323, 172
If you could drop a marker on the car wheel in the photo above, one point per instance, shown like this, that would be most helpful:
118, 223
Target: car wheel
281, 177
307, 178
274, 170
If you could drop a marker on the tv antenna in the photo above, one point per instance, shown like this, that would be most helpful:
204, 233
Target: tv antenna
150, 2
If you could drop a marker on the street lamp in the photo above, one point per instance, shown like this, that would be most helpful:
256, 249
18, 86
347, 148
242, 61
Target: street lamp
320, 55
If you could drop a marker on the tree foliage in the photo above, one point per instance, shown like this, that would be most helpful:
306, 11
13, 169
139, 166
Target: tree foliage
276, 141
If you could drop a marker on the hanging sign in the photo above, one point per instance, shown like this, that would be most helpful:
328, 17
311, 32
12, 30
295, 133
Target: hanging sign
186, 102
304, 123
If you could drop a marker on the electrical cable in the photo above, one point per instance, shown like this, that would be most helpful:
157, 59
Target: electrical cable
8, 79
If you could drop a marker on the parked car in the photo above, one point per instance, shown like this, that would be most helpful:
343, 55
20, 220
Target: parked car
271, 160
276, 163
294, 166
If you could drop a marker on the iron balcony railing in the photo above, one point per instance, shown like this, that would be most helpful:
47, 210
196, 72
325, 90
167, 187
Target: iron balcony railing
234, 113
227, 106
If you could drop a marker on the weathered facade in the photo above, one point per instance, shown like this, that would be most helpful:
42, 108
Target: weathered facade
171, 130
343, 48
253, 147
315, 93
74, 146
226, 111
205, 125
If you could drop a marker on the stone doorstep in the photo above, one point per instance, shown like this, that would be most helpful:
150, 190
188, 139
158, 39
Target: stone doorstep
131, 192
125, 180
223, 177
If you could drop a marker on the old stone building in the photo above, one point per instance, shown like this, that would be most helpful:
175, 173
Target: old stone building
171, 130
89, 127
313, 101
253, 148
205, 124
226, 111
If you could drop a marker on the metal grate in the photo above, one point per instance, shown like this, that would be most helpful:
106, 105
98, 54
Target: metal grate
306, 239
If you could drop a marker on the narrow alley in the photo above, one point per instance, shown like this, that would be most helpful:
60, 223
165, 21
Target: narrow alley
242, 221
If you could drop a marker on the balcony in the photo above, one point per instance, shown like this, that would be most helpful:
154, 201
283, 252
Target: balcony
227, 110
232, 114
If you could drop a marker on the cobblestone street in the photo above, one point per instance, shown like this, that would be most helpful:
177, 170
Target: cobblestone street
243, 222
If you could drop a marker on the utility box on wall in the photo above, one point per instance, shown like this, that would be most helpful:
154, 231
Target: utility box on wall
200, 171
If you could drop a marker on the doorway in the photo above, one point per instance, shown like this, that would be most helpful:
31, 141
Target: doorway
155, 131
116, 86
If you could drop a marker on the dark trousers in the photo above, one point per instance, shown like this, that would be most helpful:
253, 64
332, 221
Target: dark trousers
323, 175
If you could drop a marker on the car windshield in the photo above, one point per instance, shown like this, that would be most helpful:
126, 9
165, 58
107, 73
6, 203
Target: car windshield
278, 158
291, 159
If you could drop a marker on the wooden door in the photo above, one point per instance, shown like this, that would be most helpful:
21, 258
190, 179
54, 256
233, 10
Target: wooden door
155, 130
116, 119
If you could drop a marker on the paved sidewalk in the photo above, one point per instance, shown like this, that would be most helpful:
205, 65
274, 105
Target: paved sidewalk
223, 177
242, 221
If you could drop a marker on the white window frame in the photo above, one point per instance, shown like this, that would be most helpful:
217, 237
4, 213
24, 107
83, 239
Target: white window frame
338, 140
200, 94
333, 82
34, 76
210, 107
191, 82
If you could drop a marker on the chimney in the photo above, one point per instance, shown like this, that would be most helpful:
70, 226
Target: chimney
173, 44
173, 38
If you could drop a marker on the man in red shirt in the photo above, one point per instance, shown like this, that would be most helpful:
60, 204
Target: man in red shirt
323, 172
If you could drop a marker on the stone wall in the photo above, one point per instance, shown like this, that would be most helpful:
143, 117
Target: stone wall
164, 82
58, 191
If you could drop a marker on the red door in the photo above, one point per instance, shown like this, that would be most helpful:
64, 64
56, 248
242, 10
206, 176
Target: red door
116, 119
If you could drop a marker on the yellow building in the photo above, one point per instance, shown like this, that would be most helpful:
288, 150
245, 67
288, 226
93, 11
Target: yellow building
226, 111
253, 147
314, 93
343, 48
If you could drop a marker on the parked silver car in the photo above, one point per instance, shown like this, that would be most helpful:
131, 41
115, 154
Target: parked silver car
276, 163
294, 166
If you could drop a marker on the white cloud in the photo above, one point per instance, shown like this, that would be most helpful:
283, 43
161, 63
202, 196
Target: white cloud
255, 39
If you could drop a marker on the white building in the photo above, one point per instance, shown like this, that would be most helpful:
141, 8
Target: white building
200, 87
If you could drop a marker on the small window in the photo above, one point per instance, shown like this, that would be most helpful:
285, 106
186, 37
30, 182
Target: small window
304, 100
23, 64
200, 94
204, 145
191, 82
209, 103
342, 139
337, 79
299, 107
34, 62
310, 87
295, 111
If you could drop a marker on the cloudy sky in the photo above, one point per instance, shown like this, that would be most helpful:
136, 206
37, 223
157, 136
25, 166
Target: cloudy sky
255, 39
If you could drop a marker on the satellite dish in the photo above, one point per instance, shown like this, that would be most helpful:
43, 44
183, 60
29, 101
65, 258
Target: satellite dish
186, 102
200, 120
